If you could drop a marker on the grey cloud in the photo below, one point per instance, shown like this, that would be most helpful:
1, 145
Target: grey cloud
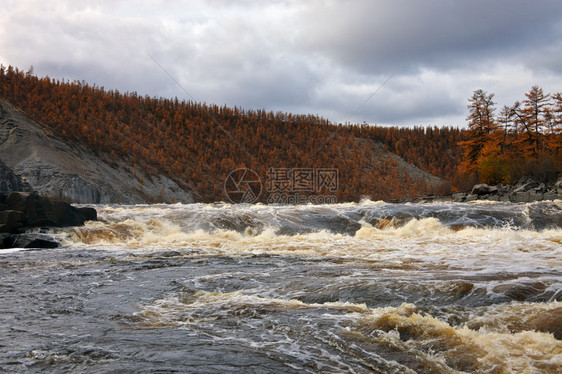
319, 57
401, 101
374, 35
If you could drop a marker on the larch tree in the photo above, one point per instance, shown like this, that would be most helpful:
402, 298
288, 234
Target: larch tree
481, 124
532, 120
505, 123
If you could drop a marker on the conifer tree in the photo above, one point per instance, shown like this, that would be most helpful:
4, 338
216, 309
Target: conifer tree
481, 124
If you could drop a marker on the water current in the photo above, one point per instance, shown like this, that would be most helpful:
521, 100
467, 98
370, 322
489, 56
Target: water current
363, 287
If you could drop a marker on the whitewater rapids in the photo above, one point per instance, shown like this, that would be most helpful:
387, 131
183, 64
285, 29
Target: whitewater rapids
360, 287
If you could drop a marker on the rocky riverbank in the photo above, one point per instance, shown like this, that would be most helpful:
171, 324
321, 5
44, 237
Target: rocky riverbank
526, 190
21, 211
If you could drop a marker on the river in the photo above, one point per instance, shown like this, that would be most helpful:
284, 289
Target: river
364, 287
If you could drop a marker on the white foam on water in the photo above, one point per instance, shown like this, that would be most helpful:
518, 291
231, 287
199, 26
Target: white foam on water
491, 349
493, 340
422, 241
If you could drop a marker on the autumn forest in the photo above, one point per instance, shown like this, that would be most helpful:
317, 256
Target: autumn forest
198, 144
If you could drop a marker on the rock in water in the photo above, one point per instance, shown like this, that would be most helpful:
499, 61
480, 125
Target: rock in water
34, 241
11, 220
89, 214
22, 210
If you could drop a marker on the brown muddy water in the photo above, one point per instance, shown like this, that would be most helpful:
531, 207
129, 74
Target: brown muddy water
353, 288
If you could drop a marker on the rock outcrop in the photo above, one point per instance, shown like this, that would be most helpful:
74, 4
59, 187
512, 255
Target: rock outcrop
10, 181
33, 158
36, 241
526, 190
21, 211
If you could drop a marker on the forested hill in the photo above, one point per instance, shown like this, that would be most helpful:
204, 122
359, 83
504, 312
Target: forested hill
198, 145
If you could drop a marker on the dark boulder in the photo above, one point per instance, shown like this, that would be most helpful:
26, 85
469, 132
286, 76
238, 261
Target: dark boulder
7, 240
40, 241
21, 210
63, 214
11, 220
89, 214
34, 241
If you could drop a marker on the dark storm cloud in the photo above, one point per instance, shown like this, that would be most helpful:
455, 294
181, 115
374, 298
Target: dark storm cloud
375, 35
422, 58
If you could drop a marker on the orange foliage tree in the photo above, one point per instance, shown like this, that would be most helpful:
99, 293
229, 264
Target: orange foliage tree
525, 139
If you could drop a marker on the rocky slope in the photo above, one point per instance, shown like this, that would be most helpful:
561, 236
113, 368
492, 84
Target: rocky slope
377, 153
33, 158
11, 182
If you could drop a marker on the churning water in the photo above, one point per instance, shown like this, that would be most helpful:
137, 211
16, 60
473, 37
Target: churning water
359, 288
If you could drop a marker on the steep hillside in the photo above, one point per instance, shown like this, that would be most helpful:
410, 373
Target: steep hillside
197, 146
378, 161
53, 168
434, 150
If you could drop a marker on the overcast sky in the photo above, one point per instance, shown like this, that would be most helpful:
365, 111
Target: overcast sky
421, 59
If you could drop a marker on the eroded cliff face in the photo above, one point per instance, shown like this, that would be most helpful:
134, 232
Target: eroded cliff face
33, 156
10, 181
